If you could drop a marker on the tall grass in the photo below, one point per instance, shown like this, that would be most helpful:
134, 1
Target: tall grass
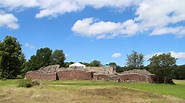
177, 90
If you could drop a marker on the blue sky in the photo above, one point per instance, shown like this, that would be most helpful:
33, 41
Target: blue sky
104, 30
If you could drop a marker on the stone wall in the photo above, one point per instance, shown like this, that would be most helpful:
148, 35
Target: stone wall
74, 75
101, 70
89, 73
40, 76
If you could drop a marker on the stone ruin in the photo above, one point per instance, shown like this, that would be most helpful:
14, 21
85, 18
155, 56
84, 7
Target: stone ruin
53, 72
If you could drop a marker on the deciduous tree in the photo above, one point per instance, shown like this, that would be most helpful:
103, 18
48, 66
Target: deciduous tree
162, 66
95, 63
10, 52
135, 60
58, 57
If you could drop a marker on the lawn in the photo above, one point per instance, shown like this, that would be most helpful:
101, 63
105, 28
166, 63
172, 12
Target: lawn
92, 92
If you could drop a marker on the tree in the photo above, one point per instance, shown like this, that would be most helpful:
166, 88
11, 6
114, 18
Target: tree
43, 56
22, 63
32, 64
179, 72
68, 63
95, 63
41, 59
135, 60
113, 64
162, 66
10, 52
58, 57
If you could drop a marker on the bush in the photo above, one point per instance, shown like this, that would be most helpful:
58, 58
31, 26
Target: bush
35, 82
25, 83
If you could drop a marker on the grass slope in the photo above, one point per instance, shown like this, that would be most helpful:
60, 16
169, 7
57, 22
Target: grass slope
92, 92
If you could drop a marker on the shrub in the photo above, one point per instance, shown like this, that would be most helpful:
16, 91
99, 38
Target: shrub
25, 83
35, 82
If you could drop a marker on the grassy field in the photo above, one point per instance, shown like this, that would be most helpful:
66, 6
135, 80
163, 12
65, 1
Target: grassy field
92, 92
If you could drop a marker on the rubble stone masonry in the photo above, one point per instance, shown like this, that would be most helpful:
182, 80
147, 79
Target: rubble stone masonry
89, 73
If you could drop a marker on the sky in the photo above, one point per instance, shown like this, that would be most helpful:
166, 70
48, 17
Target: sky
104, 30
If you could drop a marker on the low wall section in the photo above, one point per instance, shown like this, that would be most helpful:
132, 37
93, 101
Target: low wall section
74, 75
40, 76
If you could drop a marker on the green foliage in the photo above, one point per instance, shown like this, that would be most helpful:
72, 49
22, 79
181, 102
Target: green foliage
58, 57
162, 66
113, 64
179, 72
23, 64
119, 69
86, 64
43, 55
135, 60
95, 63
41, 59
68, 63
10, 54
32, 64
25, 83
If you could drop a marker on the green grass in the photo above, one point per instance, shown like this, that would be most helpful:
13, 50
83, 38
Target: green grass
177, 90
8, 82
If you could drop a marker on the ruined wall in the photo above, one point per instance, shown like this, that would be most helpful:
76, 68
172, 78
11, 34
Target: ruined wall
96, 73
41, 76
127, 76
101, 70
132, 78
74, 75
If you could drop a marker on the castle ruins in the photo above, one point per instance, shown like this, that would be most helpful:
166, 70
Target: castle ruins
53, 72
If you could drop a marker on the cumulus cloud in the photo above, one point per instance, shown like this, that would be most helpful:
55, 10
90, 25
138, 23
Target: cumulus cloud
179, 55
29, 46
92, 28
89, 27
116, 55
17, 4
58, 7
8, 20
108, 3
156, 17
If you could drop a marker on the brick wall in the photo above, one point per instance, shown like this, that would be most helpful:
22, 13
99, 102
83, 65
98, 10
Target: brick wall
133, 78
74, 75
40, 76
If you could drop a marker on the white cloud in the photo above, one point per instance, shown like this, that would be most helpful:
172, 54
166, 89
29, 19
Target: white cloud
29, 46
157, 17
157, 14
66, 55
116, 55
179, 55
179, 31
153, 16
58, 7
152, 54
91, 28
14, 4
8, 20
108, 3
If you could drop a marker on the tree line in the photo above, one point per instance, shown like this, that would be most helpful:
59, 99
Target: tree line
14, 64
